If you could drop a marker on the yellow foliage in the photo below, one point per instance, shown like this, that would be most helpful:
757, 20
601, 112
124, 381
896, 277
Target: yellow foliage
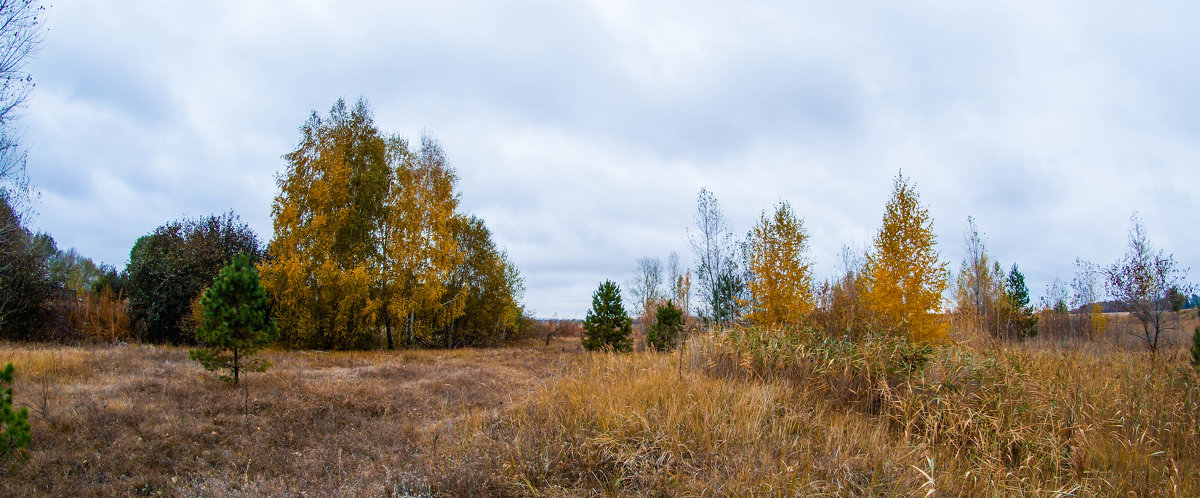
418, 247
321, 261
904, 276
364, 238
1098, 320
780, 291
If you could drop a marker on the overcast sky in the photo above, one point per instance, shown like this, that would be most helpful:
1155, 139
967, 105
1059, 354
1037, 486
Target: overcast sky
583, 131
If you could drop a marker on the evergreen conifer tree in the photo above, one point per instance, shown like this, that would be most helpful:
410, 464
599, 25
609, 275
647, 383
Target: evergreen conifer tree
607, 324
14, 424
1024, 320
237, 321
668, 323
1196, 348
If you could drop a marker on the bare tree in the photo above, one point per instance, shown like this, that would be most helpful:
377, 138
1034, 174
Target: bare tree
673, 278
552, 328
680, 284
1086, 310
1140, 283
713, 244
1084, 286
980, 288
646, 287
20, 36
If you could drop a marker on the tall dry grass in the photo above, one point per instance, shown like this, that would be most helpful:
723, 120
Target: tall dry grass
753, 413
633, 424
738, 413
1008, 419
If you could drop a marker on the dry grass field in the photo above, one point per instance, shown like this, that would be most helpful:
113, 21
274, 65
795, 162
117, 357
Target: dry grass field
743, 413
146, 420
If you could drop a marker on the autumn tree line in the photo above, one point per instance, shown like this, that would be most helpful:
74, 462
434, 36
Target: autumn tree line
370, 249
899, 286
766, 279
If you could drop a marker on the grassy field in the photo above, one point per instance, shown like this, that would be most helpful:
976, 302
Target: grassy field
741, 413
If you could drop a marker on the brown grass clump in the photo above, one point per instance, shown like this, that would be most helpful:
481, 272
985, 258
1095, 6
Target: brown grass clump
100, 317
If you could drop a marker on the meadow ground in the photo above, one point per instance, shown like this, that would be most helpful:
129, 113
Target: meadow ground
741, 413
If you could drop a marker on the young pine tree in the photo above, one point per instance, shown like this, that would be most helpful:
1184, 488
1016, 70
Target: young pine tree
607, 324
668, 323
1196, 348
236, 321
14, 424
1024, 321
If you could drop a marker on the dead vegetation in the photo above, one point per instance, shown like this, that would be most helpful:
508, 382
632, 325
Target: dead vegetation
746, 413
145, 420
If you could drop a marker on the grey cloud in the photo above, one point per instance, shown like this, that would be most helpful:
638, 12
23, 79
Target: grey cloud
582, 131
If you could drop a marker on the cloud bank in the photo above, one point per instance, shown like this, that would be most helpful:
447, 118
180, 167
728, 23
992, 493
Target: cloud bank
582, 131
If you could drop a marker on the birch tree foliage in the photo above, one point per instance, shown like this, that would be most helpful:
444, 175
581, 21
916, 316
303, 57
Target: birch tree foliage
717, 274
365, 238
904, 275
981, 300
419, 250
486, 286
322, 262
781, 284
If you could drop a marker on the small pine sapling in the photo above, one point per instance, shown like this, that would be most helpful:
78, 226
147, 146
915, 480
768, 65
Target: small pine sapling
668, 323
1024, 320
14, 424
236, 321
1196, 348
607, 324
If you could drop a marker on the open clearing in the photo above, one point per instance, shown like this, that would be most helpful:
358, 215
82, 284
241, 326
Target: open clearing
145, 419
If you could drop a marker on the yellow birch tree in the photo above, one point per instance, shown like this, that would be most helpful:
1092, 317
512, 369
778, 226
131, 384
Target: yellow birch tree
904, 276
419, 250
781, 286
486, 285
365, 239
321, 262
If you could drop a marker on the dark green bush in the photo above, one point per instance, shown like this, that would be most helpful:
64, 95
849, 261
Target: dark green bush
170, 267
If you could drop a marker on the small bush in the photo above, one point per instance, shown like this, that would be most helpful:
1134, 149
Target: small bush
99, 317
